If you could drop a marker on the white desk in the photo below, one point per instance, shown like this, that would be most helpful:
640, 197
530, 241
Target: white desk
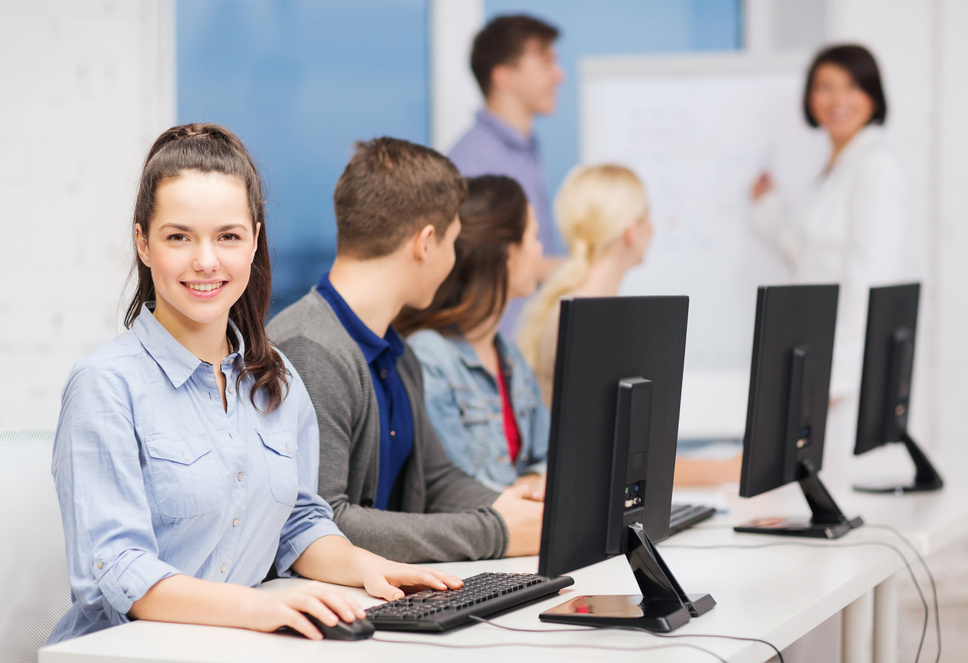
930, 521
761, 593
775, 593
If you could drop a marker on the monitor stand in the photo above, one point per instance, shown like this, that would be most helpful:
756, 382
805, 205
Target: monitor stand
661, 607
827, 521
925, 477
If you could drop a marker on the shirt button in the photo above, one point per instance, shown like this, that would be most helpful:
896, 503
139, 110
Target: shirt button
393, 433
224, 568
187, 457
100, 565
288, 449
384, 373
230, 390
241, 476
235, 523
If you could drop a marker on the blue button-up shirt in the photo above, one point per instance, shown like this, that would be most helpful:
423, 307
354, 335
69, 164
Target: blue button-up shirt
396, 418
464, 405
155, 478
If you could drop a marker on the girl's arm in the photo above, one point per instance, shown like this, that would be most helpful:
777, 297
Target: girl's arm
334, 559
188, 600
112, 550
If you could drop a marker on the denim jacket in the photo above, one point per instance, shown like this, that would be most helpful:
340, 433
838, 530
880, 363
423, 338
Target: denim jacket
464, 406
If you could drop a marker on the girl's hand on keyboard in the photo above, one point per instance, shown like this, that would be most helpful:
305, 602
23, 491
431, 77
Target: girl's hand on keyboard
389, 580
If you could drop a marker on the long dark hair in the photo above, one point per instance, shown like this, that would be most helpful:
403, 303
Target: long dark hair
493, 217
209, 148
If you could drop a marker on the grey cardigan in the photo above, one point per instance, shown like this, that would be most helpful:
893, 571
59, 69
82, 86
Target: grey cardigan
444, 514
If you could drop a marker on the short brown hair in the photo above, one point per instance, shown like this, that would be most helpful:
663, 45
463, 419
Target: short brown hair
389, 190
494, 216
502, 41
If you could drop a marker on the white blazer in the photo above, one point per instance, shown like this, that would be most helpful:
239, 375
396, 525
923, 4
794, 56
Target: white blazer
850, 227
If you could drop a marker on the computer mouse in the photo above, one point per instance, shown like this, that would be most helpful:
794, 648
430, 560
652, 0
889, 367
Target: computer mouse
361, 629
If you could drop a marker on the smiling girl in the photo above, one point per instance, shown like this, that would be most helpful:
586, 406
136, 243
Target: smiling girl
186, 452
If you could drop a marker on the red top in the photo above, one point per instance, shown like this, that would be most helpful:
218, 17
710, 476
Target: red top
511, 433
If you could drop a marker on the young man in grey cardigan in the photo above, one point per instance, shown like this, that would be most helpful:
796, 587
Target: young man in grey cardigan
392, 487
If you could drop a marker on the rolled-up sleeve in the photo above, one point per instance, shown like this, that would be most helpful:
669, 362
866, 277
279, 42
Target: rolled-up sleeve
311, 517
112, 550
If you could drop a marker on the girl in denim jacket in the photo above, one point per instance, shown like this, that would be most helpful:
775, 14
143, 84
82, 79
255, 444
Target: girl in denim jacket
481, 396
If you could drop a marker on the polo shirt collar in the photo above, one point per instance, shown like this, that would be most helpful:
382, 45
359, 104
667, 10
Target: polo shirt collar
371, 345
177, 361
505, 132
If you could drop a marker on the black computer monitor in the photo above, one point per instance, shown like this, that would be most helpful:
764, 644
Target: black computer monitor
615, 416
885, 388
793, 342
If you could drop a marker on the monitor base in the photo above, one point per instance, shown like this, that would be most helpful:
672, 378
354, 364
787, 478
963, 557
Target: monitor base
658, 616
896, 490
827, 521
926, 477
799, 527
661, 607
699, 604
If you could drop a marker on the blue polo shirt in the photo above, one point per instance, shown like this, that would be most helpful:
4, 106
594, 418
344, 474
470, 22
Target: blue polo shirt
396, 418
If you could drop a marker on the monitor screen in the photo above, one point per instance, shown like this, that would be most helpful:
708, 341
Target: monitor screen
793, 341
885, 388
601, 342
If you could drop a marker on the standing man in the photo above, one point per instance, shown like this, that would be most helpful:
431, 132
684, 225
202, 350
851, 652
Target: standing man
514, 62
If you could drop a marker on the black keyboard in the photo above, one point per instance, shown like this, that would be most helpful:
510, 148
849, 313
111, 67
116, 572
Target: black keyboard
481, 595
684, 516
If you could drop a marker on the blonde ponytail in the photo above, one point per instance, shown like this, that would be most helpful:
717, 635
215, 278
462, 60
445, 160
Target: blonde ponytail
594, 206
570, 275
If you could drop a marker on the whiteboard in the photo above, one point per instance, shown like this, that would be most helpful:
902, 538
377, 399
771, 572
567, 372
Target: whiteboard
698, 130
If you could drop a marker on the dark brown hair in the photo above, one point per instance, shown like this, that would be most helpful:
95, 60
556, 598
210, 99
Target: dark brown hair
862, 67
389, 190
502, 41
494, 216
209, 148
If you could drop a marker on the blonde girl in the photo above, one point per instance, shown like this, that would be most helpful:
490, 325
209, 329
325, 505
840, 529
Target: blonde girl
603, 216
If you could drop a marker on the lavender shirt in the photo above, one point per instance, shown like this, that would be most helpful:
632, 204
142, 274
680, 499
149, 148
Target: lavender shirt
493, 147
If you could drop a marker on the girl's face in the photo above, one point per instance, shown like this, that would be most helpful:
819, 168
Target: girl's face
838, 103
199, 248
524, 260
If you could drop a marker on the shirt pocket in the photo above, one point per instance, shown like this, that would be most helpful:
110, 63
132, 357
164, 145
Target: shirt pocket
185, 475
483, 423
280, 449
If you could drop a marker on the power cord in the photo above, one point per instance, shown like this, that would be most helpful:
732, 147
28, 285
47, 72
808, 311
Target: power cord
634, 630
547, 646
857, 544
924, 565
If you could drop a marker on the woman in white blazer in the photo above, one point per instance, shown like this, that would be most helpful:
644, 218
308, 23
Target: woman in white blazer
850, 226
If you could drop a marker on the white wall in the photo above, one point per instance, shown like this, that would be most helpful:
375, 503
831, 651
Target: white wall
87, 85
455, 96
921, 50
950, 239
